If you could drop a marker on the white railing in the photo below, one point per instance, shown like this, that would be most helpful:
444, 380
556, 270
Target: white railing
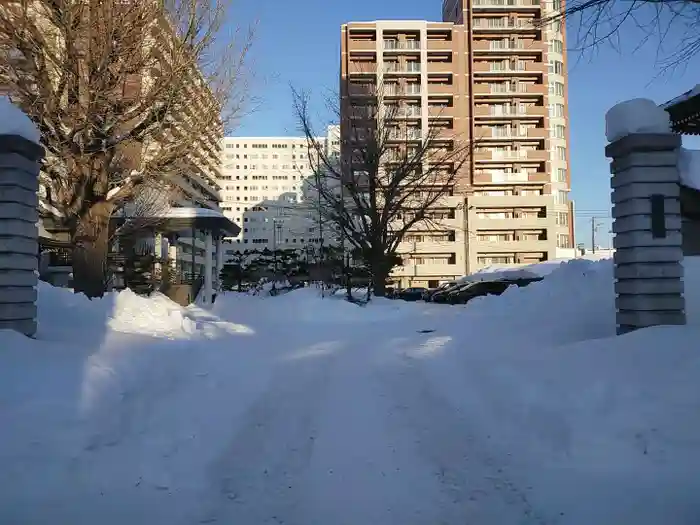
499, 176
506, 45
390, 45
507, 88
502, 23
502, 111
506, 3
504, 155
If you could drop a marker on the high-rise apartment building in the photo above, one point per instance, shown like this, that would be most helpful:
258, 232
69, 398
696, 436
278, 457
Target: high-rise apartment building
265, 186
497, 79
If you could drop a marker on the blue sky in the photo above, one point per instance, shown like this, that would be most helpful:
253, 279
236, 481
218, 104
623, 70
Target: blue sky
298, 43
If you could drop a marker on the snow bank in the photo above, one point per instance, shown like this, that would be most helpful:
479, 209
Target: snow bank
639, 115
16, 122
66, 316
574, 302
523, 405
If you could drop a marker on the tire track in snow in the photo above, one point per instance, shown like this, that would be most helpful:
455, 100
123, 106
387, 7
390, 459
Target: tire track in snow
256, 478
472, 475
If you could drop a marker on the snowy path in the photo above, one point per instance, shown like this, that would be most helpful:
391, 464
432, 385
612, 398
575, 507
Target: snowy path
299, 411
349, 432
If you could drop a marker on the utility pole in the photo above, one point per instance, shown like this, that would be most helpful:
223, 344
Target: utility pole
594, 230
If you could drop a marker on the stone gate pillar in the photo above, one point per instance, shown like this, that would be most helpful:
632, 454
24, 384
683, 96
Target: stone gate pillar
647, 226
19, 247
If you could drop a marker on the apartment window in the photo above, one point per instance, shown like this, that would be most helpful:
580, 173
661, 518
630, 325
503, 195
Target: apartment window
562, 197
561, 152
560, 131
556, 46
563, 240
562, 218
561, 174
556, 110
556, 67
556, 88
495, 260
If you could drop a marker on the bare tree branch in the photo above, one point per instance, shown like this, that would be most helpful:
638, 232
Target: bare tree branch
671, 25
391, 178
128, 95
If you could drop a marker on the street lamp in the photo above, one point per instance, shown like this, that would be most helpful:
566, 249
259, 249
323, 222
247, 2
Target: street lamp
276, 230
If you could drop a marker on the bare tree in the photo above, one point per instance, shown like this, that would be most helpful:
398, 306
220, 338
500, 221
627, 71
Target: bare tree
391, 179
671, 25
126, 94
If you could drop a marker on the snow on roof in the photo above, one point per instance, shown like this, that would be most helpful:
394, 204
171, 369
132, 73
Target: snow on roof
689, 167
191, 213
682, 98
639, 115
16, 122
488, 274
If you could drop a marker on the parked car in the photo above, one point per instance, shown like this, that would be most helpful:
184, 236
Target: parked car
430, 293
411, 294
441, 295
482, 288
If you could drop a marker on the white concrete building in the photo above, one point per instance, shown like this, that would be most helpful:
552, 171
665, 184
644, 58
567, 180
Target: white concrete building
265, 189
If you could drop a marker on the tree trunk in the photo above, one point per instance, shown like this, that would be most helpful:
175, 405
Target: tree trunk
379, 276
90, 242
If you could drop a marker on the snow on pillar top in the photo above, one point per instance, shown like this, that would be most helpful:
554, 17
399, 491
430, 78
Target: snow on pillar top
13, 121
639, 115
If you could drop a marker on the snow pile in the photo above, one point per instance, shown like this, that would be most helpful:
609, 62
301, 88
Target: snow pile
575, 302
523, 408
639, 115
493, 274
689, 167
156, 316
16, 122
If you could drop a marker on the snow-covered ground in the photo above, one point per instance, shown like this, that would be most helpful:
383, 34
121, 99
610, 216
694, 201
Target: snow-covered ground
524, 408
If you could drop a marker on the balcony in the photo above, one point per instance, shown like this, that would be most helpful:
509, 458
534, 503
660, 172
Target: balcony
508, 68
362, 68
505, 133
436, 111
506, 46
514, 246
506, 89
401, 69
511, 201
409, 269
505, 5
411, 90
505, 24
407, 112
442, 134
440, 89
510, 111
362, 46
401, 45
511, 156
402, 136
362, 90
440, 45
501, 178
441, 67
522, 223
428, 246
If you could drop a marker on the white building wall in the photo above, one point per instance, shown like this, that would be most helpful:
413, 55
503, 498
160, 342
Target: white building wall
264, 183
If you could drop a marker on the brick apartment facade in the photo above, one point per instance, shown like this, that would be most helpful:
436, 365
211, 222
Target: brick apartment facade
493, 78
